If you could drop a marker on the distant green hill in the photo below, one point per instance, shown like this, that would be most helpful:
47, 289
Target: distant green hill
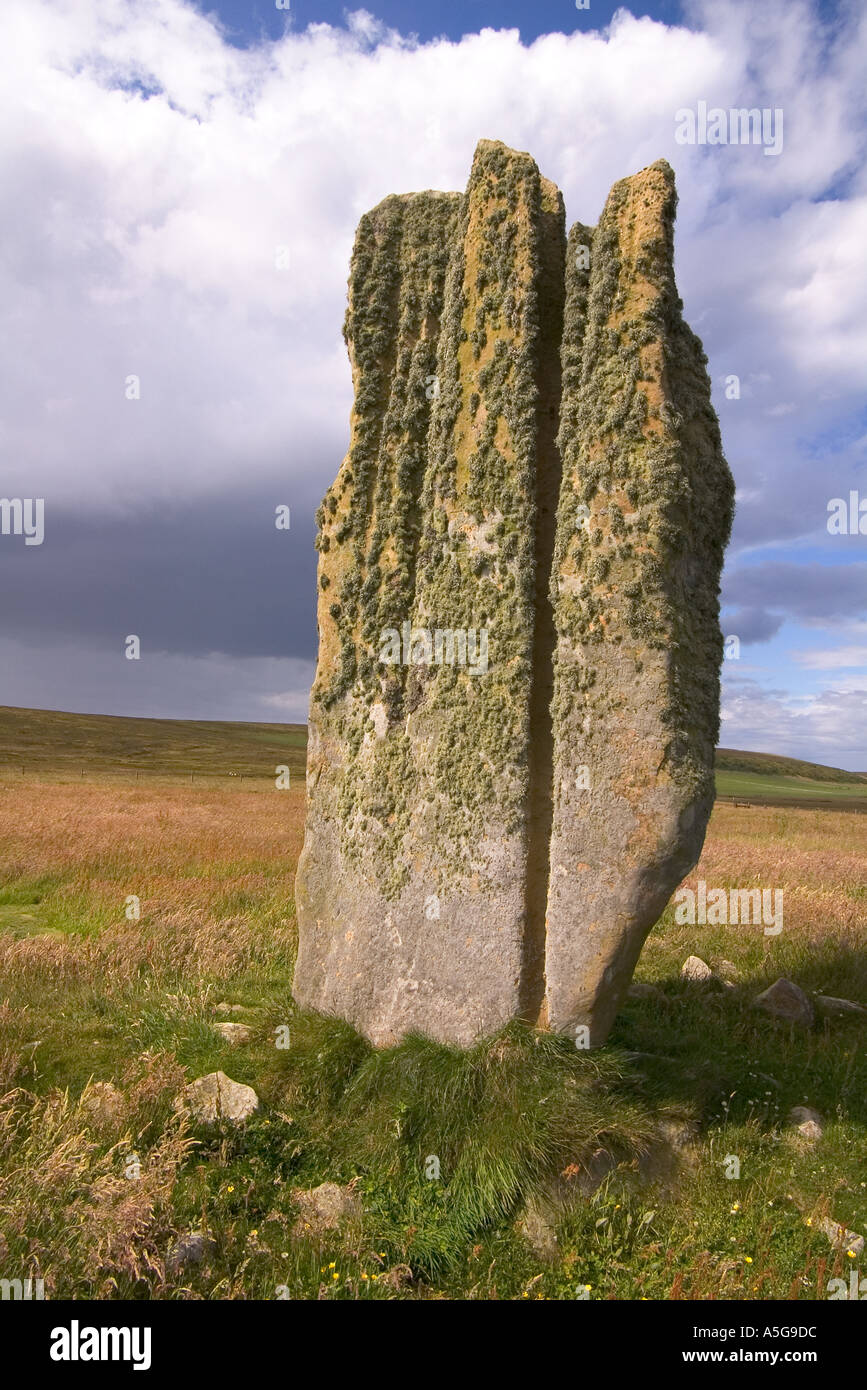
50, 742
774, 780
45, 741
773, 764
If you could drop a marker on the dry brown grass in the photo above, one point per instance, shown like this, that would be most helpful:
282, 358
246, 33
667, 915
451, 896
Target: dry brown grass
178, 839
214, 869
817, 857
67, 1205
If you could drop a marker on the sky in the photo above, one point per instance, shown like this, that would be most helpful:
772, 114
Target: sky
182, 189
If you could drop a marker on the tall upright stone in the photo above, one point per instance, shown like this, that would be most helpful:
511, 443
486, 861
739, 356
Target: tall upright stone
358, 770
485, 644
412, 886
645, 513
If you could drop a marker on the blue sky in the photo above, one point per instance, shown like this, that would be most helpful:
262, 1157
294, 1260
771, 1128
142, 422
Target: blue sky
246, 23
159, 154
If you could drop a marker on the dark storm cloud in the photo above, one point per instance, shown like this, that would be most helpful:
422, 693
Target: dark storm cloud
752, 624
214, 575
809, 592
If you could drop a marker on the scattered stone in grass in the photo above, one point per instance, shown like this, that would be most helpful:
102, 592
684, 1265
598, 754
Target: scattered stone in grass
189, 1249
537, 1225
807, 1121
696, 971
840, 1237
786, 1000
323, 1208
234, 1033
104, 1104
673, 1150
639, 990
596, 1170
217, 1097
727, 969
678, 1134
397, 1277
224, 1008
829, 1007
543, 1211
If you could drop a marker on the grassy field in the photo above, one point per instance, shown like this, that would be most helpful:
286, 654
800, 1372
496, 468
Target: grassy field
95, 1188
775, 780
774, 789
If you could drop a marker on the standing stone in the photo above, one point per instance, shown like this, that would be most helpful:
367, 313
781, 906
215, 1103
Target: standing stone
481, 648
359, 770
645, 511
412, 886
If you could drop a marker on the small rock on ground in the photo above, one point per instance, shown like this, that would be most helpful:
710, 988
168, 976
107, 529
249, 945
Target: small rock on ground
829, 1007
786, 1000
234, 1033
189, 1249
323, 1208
217, 1097
838, 1235
696, 970
807, 1121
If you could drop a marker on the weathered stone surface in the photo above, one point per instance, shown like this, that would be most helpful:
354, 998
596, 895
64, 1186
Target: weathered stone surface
234, 1033
643, 519
696, 970
324, 1208
807, 1122
352, 873
217, 1097
190, 1249
480, 648
786, 1000
828, 1006
412, 888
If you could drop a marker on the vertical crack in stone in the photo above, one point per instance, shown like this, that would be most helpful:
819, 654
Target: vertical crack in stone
540, 803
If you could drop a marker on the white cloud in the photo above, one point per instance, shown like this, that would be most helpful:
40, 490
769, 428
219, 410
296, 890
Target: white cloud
142, 233
832, 659
826, 727
152, 170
